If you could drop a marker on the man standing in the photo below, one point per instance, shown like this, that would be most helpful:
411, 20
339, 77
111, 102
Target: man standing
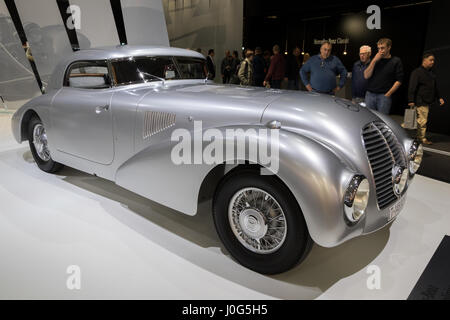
227, 65
323, 69
422, 93
259, 68
385, 75
277, 69
359, 83
293, 70
246, 70
211, 66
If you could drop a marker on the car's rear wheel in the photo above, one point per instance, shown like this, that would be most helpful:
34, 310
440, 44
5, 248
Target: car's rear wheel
260, 223
37, 138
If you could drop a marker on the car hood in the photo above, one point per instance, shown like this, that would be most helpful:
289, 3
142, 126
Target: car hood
215, 105
331, 121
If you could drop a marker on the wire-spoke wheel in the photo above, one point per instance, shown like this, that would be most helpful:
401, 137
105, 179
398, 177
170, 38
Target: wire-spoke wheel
260, 223
37, 138
40, 142
257, 220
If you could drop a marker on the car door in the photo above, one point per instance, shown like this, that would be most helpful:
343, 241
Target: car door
81, 113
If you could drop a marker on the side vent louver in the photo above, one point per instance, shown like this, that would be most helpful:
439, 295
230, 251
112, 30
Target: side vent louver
156, 122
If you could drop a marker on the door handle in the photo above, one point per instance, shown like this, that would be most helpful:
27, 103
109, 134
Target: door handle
99, 110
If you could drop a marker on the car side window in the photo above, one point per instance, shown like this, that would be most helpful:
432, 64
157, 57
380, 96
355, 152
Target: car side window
192, 68
88, 75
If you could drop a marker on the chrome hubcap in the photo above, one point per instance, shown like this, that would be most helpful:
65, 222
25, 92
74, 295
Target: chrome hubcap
40, 142
257, 221
253, 224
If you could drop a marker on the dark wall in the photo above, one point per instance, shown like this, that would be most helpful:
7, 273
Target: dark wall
438, 41
405, 25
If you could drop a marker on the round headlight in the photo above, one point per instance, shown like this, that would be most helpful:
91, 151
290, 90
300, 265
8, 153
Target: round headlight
356, 198
415, 157
400, 178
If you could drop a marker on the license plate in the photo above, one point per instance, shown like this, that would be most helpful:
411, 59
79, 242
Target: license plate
395, 210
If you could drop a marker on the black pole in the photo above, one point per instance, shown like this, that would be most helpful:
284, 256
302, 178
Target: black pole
63, 5
14, 13
118, 18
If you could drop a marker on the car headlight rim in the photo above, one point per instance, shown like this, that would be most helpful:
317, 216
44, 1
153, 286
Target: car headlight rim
415, 157
356, 199
400, 180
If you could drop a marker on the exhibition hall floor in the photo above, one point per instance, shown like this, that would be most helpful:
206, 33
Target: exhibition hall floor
128, 247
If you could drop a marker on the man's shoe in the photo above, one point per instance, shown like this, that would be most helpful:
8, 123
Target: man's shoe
427, 142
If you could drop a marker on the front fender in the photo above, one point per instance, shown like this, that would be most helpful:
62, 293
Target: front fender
318, 179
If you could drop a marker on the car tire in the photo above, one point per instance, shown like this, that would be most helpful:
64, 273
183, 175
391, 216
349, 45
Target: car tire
46, 165
297, 242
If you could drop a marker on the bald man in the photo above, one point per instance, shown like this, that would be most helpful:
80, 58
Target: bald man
324, 68
359, 83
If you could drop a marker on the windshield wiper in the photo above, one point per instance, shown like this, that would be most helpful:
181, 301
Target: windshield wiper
152, 76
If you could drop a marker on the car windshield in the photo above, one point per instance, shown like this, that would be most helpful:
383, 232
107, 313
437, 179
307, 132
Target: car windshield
147, 69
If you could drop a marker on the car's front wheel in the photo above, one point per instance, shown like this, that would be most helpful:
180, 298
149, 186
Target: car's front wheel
260, 223
37, 138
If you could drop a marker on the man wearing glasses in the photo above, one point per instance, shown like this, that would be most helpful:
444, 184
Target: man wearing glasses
359, 83
324, 68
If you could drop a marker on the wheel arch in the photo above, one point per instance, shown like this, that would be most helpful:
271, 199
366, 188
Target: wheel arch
221, 173
28, 115
316, 178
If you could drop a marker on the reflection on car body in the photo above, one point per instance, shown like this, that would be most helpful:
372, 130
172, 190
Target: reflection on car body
343, 169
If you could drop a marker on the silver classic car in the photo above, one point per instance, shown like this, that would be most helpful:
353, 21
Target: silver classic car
341, 170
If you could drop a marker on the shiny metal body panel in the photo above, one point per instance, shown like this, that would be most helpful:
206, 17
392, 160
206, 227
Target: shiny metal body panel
321, 146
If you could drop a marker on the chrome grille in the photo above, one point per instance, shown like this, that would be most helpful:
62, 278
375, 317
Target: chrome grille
156, 122
384, 153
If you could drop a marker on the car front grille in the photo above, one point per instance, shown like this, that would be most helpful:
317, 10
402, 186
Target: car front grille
384, 153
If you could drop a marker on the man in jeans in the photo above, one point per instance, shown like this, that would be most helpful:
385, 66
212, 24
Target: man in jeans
385, 75
422, 93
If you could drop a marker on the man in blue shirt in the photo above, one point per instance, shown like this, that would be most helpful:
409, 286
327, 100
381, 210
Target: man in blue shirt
323, 69
359, 83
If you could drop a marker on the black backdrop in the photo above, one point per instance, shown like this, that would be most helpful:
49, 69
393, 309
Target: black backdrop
438, 41
405, 22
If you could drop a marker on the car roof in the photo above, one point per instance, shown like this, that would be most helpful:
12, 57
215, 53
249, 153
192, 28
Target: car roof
124, 51
117, 52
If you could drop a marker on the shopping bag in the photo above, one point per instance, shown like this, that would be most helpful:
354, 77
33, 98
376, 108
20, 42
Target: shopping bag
410, 120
